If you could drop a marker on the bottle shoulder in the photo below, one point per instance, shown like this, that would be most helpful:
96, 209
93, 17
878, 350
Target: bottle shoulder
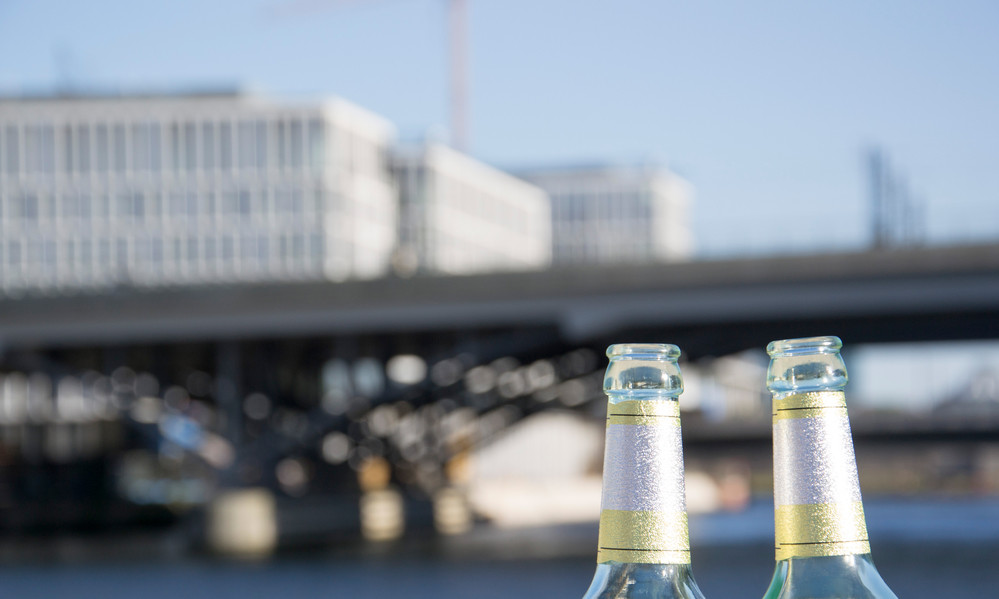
614, 580
833, 577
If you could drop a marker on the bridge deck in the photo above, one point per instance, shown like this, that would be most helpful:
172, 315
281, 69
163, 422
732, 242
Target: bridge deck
951, 292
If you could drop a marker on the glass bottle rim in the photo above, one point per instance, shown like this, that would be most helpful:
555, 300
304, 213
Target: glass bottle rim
804, 346
643, 351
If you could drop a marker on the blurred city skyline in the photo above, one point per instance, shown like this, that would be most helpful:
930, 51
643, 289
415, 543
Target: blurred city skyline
766, 110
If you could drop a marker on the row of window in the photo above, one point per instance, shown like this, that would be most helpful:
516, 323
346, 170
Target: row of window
601, 206
151, 257
151, 146
140, 207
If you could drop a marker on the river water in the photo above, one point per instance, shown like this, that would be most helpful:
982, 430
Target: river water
924, 549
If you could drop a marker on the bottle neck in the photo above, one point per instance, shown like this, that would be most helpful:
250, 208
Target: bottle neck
666, 581
818, 510
643, 518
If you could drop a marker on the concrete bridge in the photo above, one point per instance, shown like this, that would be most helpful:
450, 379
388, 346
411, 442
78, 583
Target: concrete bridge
706, 307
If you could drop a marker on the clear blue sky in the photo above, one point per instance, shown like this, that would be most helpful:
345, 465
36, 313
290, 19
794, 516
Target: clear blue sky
764, 106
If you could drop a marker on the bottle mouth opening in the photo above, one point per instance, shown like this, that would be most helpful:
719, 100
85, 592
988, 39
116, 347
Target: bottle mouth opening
804, 346
643, 351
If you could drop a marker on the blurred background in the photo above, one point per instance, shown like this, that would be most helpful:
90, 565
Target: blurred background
311, 296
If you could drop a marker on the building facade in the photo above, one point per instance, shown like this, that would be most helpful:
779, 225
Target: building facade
616, 214
460, 216
97, 192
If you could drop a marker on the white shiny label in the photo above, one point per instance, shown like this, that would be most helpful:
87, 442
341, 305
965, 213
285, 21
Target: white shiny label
643, 468
814, 461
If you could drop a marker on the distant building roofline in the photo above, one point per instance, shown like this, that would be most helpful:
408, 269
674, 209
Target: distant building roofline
111, 93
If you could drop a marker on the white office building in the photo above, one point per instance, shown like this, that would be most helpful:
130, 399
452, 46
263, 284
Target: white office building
158, 190
460, 216
617, 214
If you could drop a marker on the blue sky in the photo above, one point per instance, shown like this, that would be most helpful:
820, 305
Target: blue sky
764, 106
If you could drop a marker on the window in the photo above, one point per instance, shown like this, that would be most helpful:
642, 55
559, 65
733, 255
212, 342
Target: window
319, 202
153, 205
85, 256
139, 207
283, 247
84, 207
190, 147
297, 203
70, 206
262, 144
175, 147
245, 208
140, 250
177, 204
140, 147
281, 203
263, 247
123, 204
316, 247
208, 145
156, 251
192, 249
13, 151
210, 250
225, 146
104, 253
121, 254
282, 145
83, 148
14, 255
48, 149
209, 205
155, 148
317, 144
120, 148
32, 149
246, 144
102, 209
263, 203
296, 144
103, 149
247, 249
30, 207
229, 203
67, 147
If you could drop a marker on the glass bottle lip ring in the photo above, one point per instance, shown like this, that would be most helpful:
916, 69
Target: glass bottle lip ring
643, 351
804, 346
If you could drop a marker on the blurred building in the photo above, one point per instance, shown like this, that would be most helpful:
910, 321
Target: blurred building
616, 214
98, 191
460, 216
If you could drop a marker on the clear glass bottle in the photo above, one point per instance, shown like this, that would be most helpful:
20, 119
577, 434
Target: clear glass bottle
821, 534
643, 549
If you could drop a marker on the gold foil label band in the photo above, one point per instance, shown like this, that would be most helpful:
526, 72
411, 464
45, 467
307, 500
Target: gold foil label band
810, 405
643, 537
821, 529
635, 420
645, 407
644, 412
